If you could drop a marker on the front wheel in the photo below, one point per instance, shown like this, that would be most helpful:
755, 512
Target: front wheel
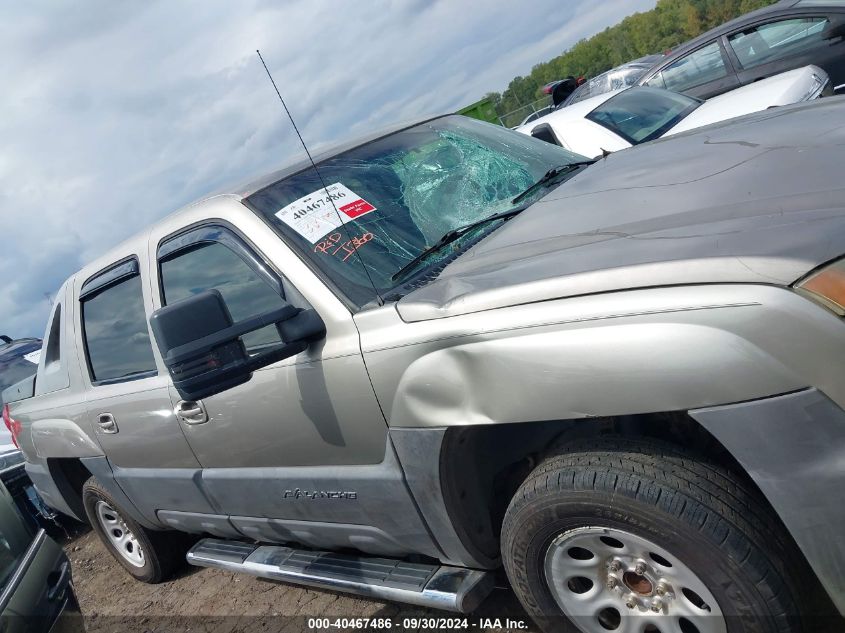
632, 536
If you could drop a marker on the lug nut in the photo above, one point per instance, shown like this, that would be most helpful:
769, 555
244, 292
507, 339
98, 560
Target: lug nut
640, 568
615, 565
657, 605
662, 590
611, 582
630, 601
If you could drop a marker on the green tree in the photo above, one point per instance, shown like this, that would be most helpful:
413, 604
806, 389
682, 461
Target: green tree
669, 24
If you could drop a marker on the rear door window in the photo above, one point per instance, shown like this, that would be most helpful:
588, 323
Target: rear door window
699, 67
115, 331
777, 40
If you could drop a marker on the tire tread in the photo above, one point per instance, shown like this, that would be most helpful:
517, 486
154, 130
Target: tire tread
702, 494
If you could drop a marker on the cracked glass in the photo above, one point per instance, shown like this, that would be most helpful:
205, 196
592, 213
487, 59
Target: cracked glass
382, 203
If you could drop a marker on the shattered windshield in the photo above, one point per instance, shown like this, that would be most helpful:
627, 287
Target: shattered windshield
387, 201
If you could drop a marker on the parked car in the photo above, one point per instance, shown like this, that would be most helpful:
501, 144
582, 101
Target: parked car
457, 347
780, 37
536, 115
18, 360
623, 76
620, 119
36, 593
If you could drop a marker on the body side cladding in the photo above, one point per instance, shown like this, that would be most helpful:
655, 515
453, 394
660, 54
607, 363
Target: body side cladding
100, 468
801, 472
55, 490
372, 497
155, 489
419, 453
300, 504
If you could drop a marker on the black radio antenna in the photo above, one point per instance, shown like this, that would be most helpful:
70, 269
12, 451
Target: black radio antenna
320, 176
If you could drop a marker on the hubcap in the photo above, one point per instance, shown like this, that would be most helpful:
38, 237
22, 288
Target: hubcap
611, 580
119, 535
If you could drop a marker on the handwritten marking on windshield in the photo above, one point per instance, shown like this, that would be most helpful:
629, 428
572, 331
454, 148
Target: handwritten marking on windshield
332, 244
326, 244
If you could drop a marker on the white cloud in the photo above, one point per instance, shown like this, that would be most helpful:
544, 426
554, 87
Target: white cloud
116, 114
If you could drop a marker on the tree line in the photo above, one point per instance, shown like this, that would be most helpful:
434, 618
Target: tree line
670, 23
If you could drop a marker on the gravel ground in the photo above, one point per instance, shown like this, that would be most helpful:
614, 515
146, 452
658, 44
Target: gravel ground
214, 601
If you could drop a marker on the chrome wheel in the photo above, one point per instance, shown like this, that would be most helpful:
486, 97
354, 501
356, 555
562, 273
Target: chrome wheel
611, 580
119, 535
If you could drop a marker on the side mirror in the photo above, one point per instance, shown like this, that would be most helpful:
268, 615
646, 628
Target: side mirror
203, 350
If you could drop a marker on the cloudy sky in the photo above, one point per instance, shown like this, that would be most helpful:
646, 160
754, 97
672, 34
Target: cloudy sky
114, 114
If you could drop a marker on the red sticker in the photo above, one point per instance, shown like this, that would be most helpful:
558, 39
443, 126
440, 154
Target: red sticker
359, 207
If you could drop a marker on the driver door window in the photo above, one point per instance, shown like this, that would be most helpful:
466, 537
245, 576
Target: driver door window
213, 265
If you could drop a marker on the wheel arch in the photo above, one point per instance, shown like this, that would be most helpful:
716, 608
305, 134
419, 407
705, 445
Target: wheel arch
482, 466
68, 475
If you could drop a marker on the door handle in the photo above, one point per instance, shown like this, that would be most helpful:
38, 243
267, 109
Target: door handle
107, 423
191, 412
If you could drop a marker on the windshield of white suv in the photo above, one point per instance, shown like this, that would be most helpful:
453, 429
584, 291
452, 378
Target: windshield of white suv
400, 194
642, 114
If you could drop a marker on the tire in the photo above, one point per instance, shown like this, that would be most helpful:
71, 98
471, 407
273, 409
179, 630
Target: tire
148, 556
704, 521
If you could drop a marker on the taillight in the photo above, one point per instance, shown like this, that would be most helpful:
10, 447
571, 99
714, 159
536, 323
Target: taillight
13, 425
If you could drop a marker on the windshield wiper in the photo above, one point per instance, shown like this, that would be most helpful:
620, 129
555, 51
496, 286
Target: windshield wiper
551, 176
450, 236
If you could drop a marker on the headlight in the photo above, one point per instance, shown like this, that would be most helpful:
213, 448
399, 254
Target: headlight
826, 286
816, 88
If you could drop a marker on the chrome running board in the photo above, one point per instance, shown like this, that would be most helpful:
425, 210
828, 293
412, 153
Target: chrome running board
439, 587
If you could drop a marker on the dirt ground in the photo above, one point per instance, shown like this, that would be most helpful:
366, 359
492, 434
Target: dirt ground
214, 601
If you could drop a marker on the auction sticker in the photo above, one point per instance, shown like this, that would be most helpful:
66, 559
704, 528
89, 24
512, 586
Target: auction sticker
314, 215
33, 357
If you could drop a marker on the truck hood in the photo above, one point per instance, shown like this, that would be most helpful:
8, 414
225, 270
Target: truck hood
758, 199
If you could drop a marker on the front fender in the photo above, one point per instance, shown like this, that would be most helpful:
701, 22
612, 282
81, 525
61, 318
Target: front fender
615, 369
640, 351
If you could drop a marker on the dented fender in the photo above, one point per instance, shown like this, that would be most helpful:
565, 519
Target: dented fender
644, 351
611, 370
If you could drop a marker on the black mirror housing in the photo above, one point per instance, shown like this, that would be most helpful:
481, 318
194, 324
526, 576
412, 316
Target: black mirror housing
202, 350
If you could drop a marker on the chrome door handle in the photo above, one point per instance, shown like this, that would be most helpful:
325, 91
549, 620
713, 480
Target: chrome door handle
191, 412
107, 423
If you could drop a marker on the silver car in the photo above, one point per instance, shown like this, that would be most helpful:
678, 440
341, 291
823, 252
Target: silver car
455, 348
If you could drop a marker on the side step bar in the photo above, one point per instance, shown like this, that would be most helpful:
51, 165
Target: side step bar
439, 587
